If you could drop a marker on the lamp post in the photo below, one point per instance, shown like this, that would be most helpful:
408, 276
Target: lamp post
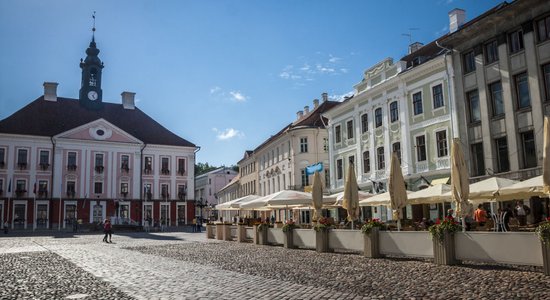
200, 204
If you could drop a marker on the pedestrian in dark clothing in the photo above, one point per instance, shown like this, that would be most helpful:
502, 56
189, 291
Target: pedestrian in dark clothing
107, 229
6, 227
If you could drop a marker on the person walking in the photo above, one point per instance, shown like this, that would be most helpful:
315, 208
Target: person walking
146, 225
107, 229
521, 211
6, 224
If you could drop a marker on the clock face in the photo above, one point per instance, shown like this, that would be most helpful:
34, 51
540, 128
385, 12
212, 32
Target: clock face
92, 95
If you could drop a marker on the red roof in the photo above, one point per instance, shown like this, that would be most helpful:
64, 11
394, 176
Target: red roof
48, 118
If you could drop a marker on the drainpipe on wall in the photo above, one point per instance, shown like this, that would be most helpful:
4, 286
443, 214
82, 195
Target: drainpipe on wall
194, 183
53, 177
452, 108
141, 179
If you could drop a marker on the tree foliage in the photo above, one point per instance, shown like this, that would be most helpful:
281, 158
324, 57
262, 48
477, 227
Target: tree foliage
201, 168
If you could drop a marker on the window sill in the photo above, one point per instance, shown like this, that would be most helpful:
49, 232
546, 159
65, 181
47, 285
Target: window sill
498, 117
491, 64
523, 110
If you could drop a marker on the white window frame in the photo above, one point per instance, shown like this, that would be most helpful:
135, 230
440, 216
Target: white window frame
432, 85
425, 147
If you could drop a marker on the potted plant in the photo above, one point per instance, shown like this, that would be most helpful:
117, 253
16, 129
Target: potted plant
288, 230
370, 231
543, 232
442, 233
322, 228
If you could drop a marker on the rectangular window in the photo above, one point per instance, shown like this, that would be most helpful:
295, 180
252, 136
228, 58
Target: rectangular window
99, 163
71, 161
529, 151
495, 92
147, 191
44, 159
164, 166
349, 127
421, 148
20, 187
181, 192
148, 164
366, 162
516, 41
417, 103
437, 92
522, 90
378, 117
124, 188
503, 164
303, 145
543, 29
380, 157
491, 52
181, 166
364, 123
98, 187
469, 62
2, 157
546, 76
42, 188
125, 162
337, 134
339, 170
325, 144
394, 112
441, 140
396, 148
22, 158
305, 177
164, 191
71, 189
473, 105
478, 160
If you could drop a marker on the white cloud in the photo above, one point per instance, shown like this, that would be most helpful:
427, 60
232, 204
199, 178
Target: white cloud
307, 70
343, 70
334, 59
324, 69
227, 134
215, 89
341, 97
238, 96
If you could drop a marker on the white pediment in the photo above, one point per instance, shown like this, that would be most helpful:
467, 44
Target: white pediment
99, 130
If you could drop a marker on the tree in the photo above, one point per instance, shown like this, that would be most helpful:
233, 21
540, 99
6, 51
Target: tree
201, 168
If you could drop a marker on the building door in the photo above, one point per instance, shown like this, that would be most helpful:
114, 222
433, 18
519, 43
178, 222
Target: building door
148, 214
181, 214
70, 214
42, 212
19, 215
124, 213
165, 214
97, 213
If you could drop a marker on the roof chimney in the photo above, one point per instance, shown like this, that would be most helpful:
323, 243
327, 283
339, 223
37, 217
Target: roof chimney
315, 103
324, 97
50, 91
299, 115
457, 17
306, 110
415, 46
128, 100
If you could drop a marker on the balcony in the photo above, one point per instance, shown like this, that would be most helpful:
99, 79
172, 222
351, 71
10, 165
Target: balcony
165, 171
99, 169
22, 165
165, 195
125, 168
71, 168
20, 193
124, 194
147, 170
44, 166
422, 167
443, 163
380, 174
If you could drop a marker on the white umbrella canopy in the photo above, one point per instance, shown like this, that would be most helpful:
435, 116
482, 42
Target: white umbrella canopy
546, 157
378, 199
489, 188
434, 194
317, 196
522, 190
234, 204
279, 199
398, 192
339, 197
351, 197
460, 186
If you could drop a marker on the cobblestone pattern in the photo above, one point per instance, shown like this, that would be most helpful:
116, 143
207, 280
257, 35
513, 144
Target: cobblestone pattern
187, 266
45, 275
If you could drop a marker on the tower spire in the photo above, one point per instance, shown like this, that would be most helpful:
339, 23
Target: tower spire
93, 28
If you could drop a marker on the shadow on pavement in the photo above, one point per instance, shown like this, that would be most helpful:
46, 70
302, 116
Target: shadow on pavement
148, 235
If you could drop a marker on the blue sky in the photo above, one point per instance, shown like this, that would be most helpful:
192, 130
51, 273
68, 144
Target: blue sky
224, 75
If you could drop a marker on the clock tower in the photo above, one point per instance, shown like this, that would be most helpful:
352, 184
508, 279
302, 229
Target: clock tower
91, 95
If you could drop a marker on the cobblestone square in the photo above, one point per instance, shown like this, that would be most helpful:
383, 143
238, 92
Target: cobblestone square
187, 266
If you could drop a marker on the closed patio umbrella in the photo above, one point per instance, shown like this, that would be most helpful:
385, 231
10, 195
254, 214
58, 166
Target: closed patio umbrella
398, 192
317, 196
351, 197
546, 157
460, 187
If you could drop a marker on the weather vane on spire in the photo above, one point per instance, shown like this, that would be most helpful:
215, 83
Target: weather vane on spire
93, 28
